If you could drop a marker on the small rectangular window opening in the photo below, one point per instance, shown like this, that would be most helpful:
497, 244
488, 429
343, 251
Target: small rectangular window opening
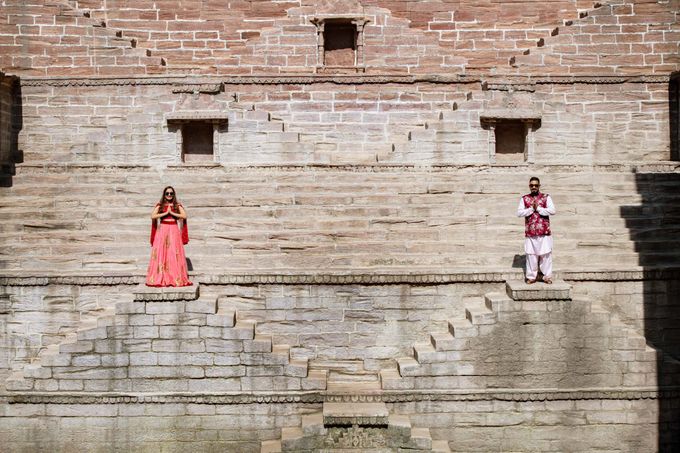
340, 45
197, 141
510, 141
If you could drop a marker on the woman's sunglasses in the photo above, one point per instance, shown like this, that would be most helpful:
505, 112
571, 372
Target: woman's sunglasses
170, 193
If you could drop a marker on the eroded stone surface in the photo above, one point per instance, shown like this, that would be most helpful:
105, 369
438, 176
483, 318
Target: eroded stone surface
520, 291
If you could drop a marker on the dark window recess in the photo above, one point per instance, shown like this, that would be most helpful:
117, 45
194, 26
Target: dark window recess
339, 43
511, 140
197, 141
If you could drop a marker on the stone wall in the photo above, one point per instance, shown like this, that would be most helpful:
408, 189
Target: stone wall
311, 122
537, 373
96, 38
34, 317
353, 235
486, 425
88, 218
350, 329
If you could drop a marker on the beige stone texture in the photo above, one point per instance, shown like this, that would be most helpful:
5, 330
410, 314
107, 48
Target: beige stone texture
356, 258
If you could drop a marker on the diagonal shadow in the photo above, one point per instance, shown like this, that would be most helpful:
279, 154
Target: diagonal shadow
654, 225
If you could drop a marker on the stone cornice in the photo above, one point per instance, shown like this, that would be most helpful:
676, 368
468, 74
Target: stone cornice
355, 277
393, 396
214, 84
621, 167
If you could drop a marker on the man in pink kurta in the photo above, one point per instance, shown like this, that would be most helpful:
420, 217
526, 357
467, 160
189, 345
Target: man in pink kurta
536, 208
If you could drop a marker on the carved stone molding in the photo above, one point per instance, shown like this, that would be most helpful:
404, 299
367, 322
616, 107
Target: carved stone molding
307, 397
144, 293
348, 278
505, 86
207, 88
178, 117
184, 84
642, 78
624, 167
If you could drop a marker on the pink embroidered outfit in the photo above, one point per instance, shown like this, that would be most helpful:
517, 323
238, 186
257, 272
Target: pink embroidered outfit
538, 242
168, 265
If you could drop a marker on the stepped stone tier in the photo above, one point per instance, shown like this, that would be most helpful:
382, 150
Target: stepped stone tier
351, 172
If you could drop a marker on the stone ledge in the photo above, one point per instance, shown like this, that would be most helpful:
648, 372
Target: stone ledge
353, 413
622, 167
368, 78
518, 290
16, 278
145, 293
519, 395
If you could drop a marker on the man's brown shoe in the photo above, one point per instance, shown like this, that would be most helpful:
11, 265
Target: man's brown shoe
547, 281
530, 281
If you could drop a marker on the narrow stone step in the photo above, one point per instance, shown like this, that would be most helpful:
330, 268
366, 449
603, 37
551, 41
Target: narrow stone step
407, 366
360, 414
17, 382
223, 318
391, 380
271, 446
462, 328
444, 341
261, 343
112, 320
281, 349
312, 424
290, 437
441, 446
421, 439
316, 380
244, 329
498, 302
206, 305
399, 425
296, 368
51, 356
355, 387
477, 313
519, 290
426, 353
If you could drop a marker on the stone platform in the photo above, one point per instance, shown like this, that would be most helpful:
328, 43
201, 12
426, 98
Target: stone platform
519, 290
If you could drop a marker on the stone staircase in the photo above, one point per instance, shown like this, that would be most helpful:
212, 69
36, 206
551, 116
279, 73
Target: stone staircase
167, 339
586, 44
354, 426
84, 44
95, 219
469, 354
455, 132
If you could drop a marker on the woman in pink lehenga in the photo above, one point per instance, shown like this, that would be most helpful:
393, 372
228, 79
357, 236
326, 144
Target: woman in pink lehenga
168, 265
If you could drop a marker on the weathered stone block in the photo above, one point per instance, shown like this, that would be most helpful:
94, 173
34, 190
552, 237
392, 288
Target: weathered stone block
518, 290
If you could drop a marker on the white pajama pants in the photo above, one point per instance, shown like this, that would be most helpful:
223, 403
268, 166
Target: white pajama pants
536, 261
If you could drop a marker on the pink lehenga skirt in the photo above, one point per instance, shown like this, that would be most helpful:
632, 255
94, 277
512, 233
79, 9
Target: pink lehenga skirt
168, 265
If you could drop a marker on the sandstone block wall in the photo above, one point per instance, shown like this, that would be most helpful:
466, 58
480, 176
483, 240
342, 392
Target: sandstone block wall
96, 38
353, 232
318, 123
294, 220
485, 425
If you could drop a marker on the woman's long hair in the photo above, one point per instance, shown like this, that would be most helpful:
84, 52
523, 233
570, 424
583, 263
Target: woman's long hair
175, 203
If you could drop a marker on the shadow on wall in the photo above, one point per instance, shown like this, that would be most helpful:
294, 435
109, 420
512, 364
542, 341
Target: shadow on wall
674, 114
11, 122
654, 225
